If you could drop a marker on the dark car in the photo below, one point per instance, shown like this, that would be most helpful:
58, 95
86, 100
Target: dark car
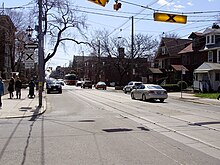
53, 86
86, 84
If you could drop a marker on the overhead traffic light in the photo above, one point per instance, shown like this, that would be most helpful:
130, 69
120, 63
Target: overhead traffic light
117, 5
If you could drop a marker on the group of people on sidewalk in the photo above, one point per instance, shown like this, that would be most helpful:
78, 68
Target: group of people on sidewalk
15, 85
12, 86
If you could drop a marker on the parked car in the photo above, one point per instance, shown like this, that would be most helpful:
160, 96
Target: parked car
86, 84
101, 85
53, 86
131, 85
149, 92
79, 83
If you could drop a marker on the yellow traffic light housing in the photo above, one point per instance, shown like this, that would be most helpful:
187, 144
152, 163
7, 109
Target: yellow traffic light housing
100, 2
173, 18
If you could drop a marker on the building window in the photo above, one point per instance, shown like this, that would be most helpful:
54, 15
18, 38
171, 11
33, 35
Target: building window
218, 56
210, 56
217, 76
163, 49
210, 39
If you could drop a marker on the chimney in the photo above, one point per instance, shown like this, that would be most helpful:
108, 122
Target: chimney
215, 26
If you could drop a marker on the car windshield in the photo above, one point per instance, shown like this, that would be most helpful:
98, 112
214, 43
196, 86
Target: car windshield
137, 83
88, 82
154, 87
50, 81
101, 83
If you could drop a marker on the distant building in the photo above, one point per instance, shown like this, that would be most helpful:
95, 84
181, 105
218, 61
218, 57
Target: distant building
109, 69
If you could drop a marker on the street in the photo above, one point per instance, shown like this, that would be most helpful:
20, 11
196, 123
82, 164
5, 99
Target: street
98, 127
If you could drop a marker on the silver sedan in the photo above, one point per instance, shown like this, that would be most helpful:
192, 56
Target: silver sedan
149, 92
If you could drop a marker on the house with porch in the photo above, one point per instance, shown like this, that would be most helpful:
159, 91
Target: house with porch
168, 59
207, 75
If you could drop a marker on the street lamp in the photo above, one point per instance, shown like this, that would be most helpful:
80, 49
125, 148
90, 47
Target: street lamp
29, 31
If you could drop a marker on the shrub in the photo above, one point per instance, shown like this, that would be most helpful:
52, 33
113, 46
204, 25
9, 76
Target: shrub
119, 87
171, 87
184, 84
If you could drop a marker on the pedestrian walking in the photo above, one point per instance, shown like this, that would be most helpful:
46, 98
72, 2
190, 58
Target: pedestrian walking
31, 89
1, 91
18, 85
11, 87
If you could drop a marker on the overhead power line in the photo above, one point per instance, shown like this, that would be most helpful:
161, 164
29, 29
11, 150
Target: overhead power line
190, 12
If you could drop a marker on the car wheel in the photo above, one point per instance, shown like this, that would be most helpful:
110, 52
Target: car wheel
144, 97
162, 100
132, 96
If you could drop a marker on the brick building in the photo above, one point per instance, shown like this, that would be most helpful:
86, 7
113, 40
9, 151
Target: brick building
7, 46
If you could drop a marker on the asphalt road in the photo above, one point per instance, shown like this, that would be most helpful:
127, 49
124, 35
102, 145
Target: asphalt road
95, 127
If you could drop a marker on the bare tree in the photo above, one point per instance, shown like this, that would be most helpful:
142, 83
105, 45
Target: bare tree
120, 49
18, 18
61, 22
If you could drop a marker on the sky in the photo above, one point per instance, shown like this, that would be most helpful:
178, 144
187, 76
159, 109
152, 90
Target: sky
200, 15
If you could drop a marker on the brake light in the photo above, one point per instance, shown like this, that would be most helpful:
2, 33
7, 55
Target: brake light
151, 92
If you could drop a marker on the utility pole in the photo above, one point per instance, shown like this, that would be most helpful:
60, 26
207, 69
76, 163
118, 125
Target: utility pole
40, 53
132, 36
132, 46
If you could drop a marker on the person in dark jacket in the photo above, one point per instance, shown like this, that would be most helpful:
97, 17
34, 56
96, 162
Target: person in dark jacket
1, 91
31, 89
18, 86
11, 87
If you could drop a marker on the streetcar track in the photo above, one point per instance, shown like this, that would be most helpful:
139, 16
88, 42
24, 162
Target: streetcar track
153, 112
147, 120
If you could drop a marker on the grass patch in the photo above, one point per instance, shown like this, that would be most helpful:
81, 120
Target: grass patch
207, 95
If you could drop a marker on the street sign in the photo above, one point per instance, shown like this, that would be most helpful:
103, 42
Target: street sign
29, 65
29, 58
33, 46
172, 18
29, 55
99, 2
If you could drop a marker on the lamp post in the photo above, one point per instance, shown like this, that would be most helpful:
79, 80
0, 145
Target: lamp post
29, 31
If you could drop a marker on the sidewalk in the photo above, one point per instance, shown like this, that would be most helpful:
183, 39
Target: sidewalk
188, 97
24, 107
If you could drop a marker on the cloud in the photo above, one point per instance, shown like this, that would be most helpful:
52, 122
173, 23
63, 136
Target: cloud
170, 4
177, 7
190, 3
162, 2
211, 0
